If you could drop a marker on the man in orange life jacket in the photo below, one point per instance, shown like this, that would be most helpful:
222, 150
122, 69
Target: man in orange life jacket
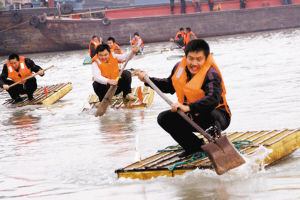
200, 90
105, 70
137, 40
189, 36
179, 38
114, 47
93, 45
16, 69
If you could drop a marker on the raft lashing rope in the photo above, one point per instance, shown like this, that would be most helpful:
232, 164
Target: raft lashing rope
201, 155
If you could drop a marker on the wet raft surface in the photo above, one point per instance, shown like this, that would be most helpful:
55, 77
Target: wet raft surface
44, 96
167, 163
143, 98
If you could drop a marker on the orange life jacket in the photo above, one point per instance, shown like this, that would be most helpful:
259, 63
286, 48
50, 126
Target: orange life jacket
135, 41
109, 70
23, 71
116, 49
96, 44
192, 89
179, 34
187, 37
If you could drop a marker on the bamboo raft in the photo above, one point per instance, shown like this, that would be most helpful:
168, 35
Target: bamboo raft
143, 99
167, 162
44, 96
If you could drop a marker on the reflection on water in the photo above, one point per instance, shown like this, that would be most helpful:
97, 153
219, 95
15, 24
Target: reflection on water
58, 152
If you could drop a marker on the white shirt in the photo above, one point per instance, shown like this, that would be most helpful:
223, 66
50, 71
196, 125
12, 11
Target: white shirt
97, 72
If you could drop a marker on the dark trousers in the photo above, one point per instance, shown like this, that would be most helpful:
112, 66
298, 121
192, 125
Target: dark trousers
211, 6
179, 42
182, 131
182, 3
172, 6
124, 85
28, 88
197, 7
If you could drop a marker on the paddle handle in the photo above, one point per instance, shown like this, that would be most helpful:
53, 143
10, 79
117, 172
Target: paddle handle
33, 75
180, 112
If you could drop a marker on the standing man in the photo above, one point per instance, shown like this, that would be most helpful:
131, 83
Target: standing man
105, 69
94, 43
16, 69
182, 3
197, 5
211, 5
114, 47
172, 6
137, 40
200, 91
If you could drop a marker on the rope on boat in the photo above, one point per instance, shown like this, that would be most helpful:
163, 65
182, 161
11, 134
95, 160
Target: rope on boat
14, 26
195, 157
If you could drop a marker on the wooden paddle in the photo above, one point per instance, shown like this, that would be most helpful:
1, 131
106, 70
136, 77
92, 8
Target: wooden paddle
33, 75
220, 151
102, 106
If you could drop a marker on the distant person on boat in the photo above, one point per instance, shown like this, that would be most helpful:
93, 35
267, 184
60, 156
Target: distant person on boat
197, 5
105, 70
137, 40
179, 38
211, 5
114, 47
16, 69
189, 36
200, 90
243, 4
94, 43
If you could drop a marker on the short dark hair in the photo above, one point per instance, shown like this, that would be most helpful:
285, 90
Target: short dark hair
181, 29
13, 56
112, 39
102, 47
94, 36
136, 33
188, 29
196, 46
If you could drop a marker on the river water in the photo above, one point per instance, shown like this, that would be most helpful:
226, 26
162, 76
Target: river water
58, 152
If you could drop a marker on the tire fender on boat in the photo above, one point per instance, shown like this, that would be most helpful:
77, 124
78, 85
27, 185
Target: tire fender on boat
43, 19
105, 21
16, 16
66, 8
34, 21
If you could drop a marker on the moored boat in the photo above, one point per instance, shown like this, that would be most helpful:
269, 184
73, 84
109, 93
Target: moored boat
45, 95
167, 163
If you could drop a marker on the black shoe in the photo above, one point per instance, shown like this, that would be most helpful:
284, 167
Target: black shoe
30, 97
214, 131
18, 100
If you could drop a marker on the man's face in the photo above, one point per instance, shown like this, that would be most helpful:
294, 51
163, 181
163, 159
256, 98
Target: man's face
195, 60
110, 43
104, 56
15, 63
96, 39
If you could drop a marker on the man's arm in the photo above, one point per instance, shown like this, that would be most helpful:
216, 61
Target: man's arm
3, 76
97, 75
31, 65
165, 84
213, 90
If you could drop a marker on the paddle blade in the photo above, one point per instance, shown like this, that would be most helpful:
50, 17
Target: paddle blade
223, 155
102, 107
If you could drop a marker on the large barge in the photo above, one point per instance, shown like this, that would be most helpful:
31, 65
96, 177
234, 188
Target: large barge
154, 23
